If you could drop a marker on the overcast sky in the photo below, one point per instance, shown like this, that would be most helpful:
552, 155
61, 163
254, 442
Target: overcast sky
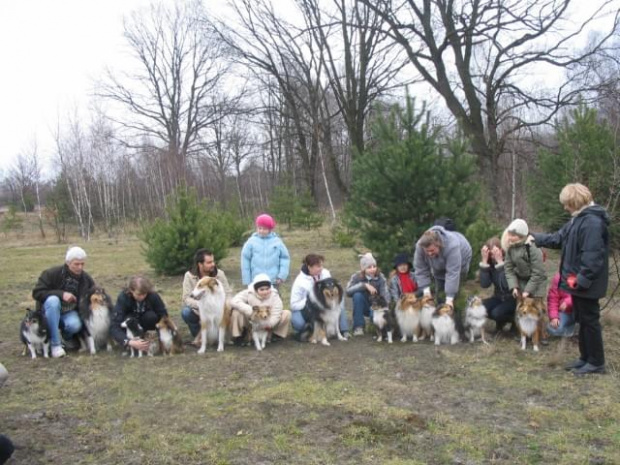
51, 52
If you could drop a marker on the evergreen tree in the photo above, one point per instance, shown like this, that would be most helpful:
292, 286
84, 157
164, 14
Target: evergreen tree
405, 180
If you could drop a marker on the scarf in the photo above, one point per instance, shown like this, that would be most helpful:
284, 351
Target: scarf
407, 285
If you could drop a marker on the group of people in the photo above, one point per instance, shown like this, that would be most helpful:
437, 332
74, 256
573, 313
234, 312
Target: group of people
512, 265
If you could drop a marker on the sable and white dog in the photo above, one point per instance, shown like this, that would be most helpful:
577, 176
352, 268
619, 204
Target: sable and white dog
322, 311
133, 329
214, 312
475, 318
426, 318
170, 341
445, 325
383, 318
33, 333
530, 318
259, 322
408, 312
95, 310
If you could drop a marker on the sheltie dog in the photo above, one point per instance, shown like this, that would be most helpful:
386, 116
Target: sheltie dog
133, 329
259, 324
95, 310
214, 312
322, 311
426, 318
475, 318
383, 318
170, 341
530, 318
444, 325
33, 333
407, 311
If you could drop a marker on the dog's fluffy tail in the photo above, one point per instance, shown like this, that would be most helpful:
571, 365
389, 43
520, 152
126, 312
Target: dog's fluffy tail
304, 334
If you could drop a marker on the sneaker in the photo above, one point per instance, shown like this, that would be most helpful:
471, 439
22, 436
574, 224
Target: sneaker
346, 335
589, 369
58, 351
358, 331
575, 364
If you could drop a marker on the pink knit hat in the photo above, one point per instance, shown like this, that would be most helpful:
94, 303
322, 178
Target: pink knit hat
265, 221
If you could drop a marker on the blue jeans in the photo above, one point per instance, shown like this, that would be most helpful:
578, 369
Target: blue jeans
298, 322
566, 327
191, 319
68, 322
361, 308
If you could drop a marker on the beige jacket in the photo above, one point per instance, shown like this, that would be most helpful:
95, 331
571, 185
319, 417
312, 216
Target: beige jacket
245, 300
189, 283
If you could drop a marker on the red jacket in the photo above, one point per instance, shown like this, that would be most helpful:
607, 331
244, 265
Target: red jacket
556, 297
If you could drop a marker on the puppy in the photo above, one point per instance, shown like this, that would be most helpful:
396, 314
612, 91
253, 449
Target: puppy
95, 310
426, 318
322, 311
214, 312
407, 311
530, 318
382, 317
170, 341
33, 333
259, 322
444, 325
133, 329
475, 318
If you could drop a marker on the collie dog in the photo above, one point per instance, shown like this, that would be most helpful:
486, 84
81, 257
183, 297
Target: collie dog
407, 311
475, 318
322, 311
214, 312
170, 341
259, 323
95, 310
134, 329
426, 318
33, 333
444, 325
530, 318
383, 318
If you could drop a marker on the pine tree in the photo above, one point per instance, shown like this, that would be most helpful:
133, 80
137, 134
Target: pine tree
405, 180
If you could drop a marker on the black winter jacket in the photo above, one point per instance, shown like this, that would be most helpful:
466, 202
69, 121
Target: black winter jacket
50, 283
584, 241
126, 306
495, 276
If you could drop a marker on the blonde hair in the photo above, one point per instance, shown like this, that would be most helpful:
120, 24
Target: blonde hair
429, 238
140, 285
575, 196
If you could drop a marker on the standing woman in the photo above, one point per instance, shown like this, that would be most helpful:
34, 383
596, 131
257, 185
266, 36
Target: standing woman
584, 270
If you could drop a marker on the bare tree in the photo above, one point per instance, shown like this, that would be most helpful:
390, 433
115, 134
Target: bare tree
478, 55
180, 66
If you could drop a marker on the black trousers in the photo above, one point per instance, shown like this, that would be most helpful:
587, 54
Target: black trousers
6, 448
588, 314
501, 311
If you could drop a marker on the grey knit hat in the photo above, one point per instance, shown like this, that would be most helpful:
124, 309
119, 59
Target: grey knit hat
518, 227
367, 260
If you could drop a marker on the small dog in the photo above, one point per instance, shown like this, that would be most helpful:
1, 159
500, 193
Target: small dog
170, 341
33, 333
530, 318
95, 310
445, 325
322, 311
382, 317
259, 322
475, 318
407, 311
426, 318
214, 312
133, 329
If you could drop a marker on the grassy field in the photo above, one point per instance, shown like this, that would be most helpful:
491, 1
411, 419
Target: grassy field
356, 402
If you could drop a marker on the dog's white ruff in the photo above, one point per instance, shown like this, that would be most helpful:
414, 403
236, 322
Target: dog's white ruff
408, 322
445, 330
475, 319
331, 316
35, 342
528, 325
98, 324
426, 319
211, 306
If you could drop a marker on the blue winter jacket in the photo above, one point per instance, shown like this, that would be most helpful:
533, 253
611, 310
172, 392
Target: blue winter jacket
264, 254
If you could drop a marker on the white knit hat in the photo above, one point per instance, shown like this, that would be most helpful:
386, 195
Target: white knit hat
75, 253
367, 260
518, 227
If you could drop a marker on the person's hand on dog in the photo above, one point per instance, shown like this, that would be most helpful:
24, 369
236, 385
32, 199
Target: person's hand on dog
516, 293
370, 288
554, 323
525, 295
484, 254
139, 344
68, 297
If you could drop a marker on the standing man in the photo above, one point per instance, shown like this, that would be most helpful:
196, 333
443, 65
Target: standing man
58, 292
203, 265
